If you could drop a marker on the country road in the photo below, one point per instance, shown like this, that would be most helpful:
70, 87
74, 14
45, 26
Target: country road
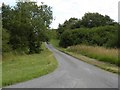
72, 73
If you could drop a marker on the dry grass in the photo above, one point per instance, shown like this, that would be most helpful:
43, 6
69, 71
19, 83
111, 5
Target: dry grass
99, 53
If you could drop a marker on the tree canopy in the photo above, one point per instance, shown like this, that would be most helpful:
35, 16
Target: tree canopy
89, 20
27, 24
92, 29
95, 19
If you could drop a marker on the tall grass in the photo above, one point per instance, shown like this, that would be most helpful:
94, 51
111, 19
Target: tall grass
99, 53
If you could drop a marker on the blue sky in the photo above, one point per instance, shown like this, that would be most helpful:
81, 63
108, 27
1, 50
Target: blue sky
65, 9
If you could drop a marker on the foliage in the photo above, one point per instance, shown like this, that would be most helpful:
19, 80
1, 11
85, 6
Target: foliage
72, 23
66, 39
55, 43
95, 19
27, 24
52, 34
89, 20
102, 36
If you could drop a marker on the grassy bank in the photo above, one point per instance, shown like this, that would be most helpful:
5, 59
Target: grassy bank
0, 70
101, 57
96, 52
18, 68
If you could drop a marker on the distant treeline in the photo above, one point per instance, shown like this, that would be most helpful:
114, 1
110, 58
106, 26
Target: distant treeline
25, 26
93, 29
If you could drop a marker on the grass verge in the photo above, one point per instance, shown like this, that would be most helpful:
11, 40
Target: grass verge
18, 68
0, 70
103, 58
96, 52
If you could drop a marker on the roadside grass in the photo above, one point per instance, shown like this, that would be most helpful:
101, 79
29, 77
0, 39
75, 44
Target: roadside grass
0, 70
19, 68
101, 57
96, 52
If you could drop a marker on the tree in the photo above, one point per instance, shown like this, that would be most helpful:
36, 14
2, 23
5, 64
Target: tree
6, 16
60, 29
27, 24
90, 20
72, 23
66, 39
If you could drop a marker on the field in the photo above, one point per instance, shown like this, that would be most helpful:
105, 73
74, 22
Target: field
18, 68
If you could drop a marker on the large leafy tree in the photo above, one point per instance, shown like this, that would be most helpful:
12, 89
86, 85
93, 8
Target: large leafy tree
27, 24
90, 20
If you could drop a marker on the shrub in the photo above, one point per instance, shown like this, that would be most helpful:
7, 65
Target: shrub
102, 36
66, 39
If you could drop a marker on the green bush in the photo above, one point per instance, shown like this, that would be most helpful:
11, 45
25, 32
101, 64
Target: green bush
102, 36
66, 39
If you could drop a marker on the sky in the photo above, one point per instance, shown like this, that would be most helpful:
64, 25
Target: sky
65, 9
119, 12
